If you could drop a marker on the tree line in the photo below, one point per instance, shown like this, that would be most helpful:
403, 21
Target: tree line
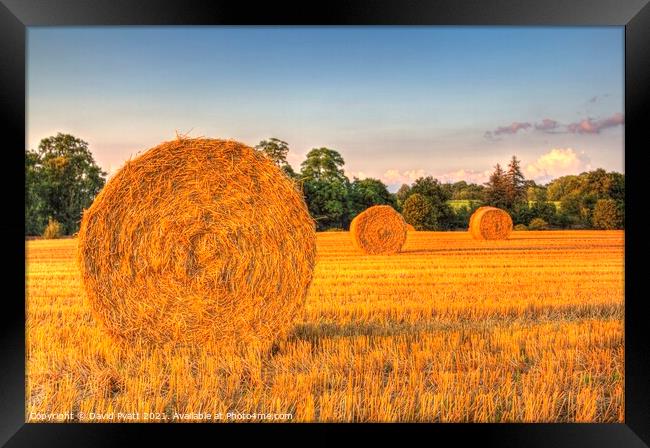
591, 200
62, 179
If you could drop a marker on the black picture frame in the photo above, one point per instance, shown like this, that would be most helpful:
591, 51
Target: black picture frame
16, 15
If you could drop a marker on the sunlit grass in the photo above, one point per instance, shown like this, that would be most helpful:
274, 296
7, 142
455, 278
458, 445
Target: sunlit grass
451, 329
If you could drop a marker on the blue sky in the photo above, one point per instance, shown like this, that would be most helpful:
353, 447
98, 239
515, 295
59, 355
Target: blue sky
396, 102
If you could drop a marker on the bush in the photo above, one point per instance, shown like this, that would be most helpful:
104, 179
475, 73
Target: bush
521, 227
537, 224
418, 212
608, 215
52, 230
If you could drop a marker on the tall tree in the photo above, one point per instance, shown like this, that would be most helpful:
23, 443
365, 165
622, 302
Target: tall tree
276, 150
326, 188
323, 164
496, 193
68, 179
515, 184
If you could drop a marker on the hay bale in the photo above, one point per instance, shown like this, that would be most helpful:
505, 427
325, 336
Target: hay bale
410, 228
197, 240
379, 230
490, 223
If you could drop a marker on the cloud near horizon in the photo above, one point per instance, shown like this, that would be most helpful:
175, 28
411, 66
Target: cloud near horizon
552, 164
469, 176
556, 163
393, 176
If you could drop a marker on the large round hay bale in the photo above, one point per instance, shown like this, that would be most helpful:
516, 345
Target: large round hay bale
197, 240
490, 223
410, 228
379, 230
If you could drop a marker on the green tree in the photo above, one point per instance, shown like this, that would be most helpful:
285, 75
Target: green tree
437, 195
604, 185
536, 192
35, 217
563, 186
462, 215
616, 186
323, 164
327, 203
276, 150
326, 188
365, 193
572, 209
496, 193
521, 213
608, 214
544, 210
419, 212
66, 179
456, 188
464, 191
402, 194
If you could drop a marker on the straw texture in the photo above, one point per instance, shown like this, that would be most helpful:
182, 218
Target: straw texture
379, 230
197, 240
490, 223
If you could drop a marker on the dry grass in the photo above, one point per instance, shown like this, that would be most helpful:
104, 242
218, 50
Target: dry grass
451, 329
197, 240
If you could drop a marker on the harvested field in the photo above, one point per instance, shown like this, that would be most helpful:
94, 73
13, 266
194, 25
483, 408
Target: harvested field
451, 329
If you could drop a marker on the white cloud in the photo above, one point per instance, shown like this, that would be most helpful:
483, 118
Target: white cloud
393, 176
469, 176
557, 162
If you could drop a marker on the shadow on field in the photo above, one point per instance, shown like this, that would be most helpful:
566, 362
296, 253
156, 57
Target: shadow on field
313, 332
531, 315
493, 248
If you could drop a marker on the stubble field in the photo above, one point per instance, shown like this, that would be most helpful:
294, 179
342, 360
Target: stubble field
449, 330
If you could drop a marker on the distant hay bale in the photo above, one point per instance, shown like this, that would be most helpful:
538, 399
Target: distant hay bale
410, 228
197, 240
379, 230
490, 223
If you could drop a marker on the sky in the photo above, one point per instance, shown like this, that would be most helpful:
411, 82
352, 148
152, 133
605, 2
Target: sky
397, 102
